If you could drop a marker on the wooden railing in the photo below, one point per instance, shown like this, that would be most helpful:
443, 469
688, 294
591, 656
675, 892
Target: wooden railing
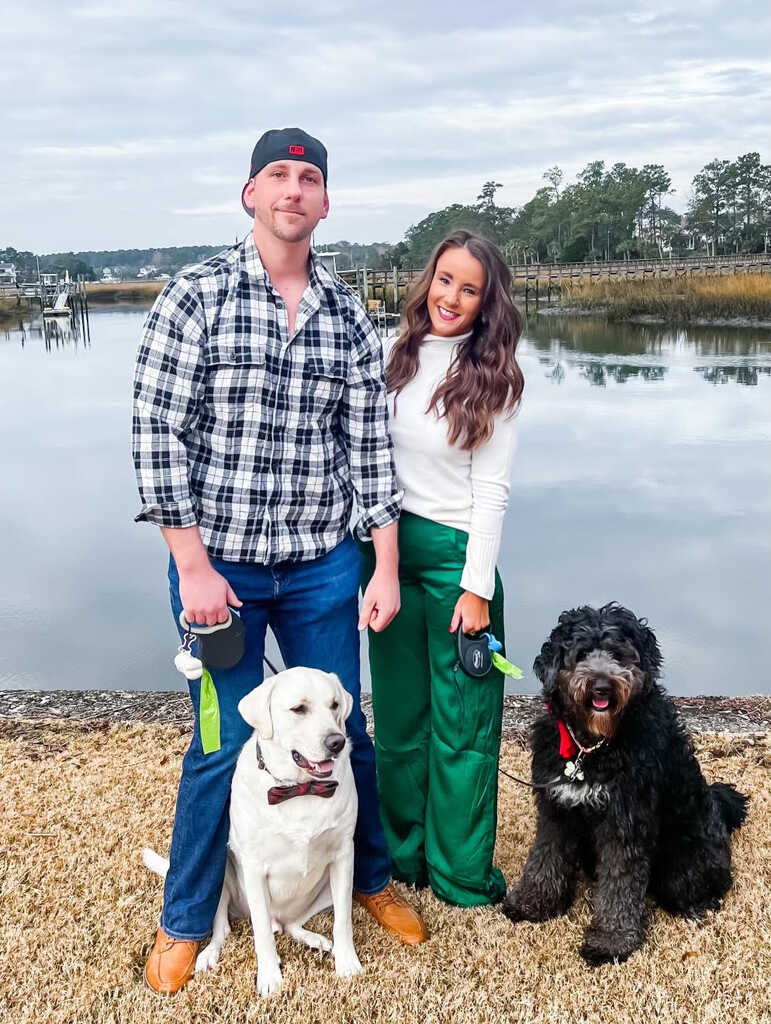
382, 286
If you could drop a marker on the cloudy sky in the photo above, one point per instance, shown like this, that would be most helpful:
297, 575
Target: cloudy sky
131, 124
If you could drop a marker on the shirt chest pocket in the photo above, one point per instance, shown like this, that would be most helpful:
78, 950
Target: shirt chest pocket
323, 382
235, 387
235, 366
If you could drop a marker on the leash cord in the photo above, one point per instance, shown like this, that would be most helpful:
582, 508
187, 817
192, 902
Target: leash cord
530, 785
522, 782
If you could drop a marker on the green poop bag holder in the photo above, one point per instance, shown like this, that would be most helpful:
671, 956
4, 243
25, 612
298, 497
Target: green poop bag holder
478, 652
220, 646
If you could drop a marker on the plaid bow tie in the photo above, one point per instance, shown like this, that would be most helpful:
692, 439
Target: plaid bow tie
277, 794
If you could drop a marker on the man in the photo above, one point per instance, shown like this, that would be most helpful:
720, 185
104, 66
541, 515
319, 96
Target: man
259, 412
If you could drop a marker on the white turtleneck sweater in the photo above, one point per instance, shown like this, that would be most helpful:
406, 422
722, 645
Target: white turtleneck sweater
465, 490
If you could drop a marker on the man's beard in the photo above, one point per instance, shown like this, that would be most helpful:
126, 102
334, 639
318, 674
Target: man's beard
290, 232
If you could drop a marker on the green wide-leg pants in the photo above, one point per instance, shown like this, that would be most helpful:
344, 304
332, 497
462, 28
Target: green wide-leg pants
437, 730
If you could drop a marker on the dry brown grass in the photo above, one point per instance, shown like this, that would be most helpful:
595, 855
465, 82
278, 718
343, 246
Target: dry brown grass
102, 294
13, 309
675, 298
79, 909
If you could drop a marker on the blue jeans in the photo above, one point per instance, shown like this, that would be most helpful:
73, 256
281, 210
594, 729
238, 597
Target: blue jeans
312, 608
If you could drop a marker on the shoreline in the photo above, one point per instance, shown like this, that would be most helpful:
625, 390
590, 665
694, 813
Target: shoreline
651, 319
123, 292
743, 716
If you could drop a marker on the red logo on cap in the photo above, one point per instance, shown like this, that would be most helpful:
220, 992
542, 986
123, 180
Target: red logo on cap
297, 150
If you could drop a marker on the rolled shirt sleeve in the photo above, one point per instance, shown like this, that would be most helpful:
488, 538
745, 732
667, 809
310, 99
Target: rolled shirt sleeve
491, 468
364, 426
168, 382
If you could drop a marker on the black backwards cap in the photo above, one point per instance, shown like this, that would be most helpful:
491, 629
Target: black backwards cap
285, 144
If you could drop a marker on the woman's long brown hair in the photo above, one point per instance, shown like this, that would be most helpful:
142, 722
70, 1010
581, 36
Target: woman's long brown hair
484, 378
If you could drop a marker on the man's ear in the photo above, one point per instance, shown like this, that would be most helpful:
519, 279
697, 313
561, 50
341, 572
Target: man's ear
254, 708
344, 699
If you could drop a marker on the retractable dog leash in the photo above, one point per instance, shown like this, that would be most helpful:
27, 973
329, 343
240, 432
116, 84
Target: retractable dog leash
222, 646
219, 646
479, 652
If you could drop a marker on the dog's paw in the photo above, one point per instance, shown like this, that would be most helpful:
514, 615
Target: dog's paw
208, 958
346, 963
512, 908
316, 941
312, 939
268, 978
520, 905
605, 947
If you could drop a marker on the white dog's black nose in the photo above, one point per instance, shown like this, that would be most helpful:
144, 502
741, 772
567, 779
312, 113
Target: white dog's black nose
334, 742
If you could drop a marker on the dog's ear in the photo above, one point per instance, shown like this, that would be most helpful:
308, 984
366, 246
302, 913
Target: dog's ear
254, 708
546, 666
344, 700
638, 632
561, 640
648, 647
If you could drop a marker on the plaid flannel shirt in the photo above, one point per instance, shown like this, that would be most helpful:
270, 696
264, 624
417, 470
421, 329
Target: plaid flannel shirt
260, 439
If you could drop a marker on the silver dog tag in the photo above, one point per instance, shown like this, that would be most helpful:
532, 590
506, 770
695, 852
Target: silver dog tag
573, 771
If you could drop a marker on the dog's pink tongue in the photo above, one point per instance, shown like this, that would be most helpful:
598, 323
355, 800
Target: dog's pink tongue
600, 703
323, 767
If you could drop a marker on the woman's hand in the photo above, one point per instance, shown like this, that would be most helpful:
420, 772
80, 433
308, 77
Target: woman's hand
471, 613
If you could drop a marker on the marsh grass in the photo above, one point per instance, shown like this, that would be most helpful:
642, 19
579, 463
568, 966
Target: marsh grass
12, 309
79, 912
105, 294
675, 299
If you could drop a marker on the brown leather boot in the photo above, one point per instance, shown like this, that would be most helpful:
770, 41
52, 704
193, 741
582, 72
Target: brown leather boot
171, 963
394, 914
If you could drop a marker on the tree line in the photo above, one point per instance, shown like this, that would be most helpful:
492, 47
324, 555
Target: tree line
127, 263
617, 212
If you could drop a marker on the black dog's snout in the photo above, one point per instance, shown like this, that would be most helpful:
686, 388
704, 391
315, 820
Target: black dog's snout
602, 687
334, 742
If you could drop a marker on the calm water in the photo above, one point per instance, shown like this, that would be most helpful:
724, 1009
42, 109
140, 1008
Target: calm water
643, 475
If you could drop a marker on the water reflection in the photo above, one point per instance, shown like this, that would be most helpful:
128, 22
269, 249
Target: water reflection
650, 487
600, 373
55, 331
748, 375
587, 345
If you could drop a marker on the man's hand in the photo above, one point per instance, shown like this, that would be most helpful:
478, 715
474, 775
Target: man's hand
381, 601
205, 596
471, 612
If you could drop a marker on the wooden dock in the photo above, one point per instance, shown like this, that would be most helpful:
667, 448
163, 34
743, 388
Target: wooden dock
387, 288
59, 300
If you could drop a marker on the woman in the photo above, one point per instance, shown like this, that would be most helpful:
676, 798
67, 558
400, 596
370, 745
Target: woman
454, 385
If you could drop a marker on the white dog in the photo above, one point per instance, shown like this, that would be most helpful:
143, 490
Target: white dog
292, 815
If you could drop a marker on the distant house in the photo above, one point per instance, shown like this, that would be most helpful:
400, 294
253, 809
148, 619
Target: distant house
7, 275
329, 261
108, 276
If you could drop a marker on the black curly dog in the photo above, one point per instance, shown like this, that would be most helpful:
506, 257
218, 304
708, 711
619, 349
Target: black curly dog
621, 793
